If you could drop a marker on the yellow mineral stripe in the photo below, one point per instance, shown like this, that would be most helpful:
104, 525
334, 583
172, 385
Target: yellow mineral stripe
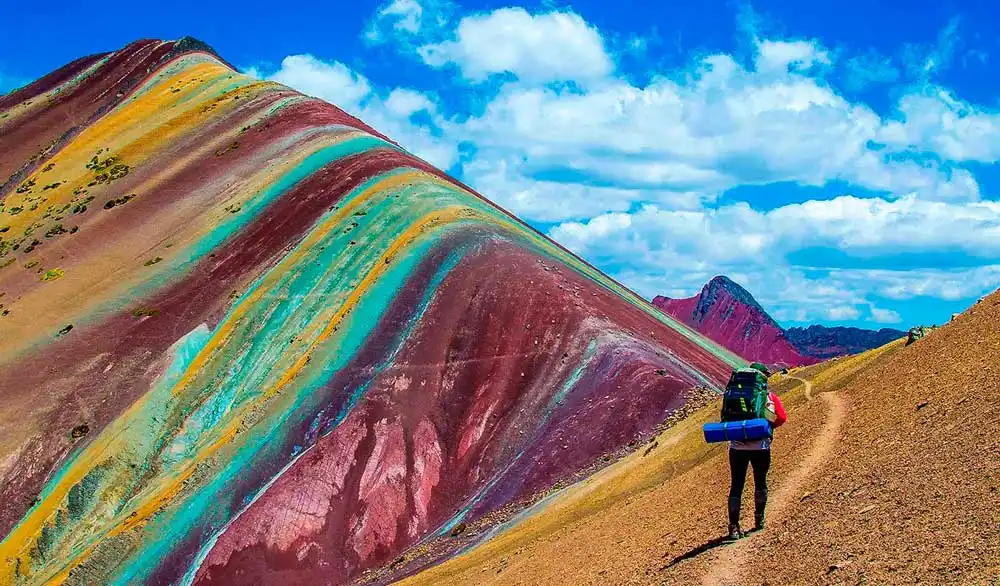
134, 147
32, 525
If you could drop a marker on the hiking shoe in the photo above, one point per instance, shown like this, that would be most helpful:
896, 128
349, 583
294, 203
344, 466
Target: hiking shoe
735, 532
758, 523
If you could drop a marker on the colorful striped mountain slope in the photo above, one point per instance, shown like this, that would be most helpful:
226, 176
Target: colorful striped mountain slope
246, 339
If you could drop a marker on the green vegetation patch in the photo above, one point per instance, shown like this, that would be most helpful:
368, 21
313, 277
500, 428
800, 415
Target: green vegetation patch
53, 274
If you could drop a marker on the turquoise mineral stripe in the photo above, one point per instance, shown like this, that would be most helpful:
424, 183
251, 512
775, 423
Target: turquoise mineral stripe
307, 261
297, 406
184, 352
169, 70
318, 276
311, 164
233, 223
452, 259
161, 408
79, 77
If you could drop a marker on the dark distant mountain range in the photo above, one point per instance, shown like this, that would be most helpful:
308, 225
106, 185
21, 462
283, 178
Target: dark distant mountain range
824, 342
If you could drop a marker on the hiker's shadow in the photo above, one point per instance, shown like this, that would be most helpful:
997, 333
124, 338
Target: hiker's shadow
697, 551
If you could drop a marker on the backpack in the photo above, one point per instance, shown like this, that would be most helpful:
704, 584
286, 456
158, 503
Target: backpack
745, 395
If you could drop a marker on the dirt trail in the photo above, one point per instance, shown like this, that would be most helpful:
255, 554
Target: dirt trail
909, 495
725, 569
808, 384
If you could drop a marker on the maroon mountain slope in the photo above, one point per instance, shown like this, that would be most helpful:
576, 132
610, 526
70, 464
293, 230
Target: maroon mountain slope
727, 313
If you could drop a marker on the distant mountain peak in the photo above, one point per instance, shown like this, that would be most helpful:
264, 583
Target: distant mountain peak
729, 314
724, 281
721, 283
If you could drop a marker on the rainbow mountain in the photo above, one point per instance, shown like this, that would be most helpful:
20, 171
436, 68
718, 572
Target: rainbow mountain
247, 339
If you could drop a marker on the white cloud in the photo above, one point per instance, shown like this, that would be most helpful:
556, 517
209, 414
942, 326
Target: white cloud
922, 61
885, 316
630, 173
406, 14
253, 71
949, 285
842, 313
935, 121
928, 179
401, 20
866, 69
704, 128
406, 102
334, 82
671, 252
715, 127
338, 84
544, 201
782, 56
791, 294
555, 46
554, 201
736, 233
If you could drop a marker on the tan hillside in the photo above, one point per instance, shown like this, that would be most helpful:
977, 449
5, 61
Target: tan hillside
888, 472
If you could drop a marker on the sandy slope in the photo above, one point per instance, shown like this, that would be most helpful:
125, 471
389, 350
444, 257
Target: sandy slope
890, 475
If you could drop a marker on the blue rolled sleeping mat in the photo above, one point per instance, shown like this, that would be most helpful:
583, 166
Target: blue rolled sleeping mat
748, 429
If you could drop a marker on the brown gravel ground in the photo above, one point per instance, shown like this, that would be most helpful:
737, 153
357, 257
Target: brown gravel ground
888, 473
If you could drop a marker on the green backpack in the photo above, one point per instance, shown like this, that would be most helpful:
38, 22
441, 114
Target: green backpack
745, 396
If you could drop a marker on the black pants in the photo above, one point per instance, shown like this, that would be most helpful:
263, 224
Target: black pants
760, 460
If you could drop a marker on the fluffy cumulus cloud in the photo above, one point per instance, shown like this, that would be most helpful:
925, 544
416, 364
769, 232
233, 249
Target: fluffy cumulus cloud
944, 284
333, 82
717, 126
398, 21
738, 240
885, 316
554, 46
782, 56
936, 121
406, 16
867, 229
391, 112
638, 177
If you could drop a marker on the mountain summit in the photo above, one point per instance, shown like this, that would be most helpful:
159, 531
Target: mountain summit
727, 313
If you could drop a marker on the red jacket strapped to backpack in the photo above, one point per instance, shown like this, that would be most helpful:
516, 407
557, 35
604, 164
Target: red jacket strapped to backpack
779, 410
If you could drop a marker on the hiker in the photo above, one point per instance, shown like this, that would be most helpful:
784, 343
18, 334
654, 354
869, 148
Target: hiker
756, 454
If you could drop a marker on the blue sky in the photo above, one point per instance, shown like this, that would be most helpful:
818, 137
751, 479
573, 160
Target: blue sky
836, 158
